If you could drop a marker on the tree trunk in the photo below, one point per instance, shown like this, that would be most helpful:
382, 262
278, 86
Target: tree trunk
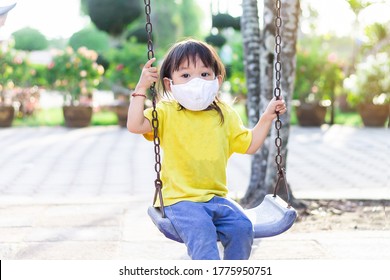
255, 192
263, 170
251, 39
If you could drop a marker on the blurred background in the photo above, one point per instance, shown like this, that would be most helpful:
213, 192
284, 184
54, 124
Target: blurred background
75, 63
42, 38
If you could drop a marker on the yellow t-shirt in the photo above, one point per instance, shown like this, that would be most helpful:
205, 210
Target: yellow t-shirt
196, 148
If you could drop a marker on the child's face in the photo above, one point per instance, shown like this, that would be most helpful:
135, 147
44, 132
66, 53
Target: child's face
188, 70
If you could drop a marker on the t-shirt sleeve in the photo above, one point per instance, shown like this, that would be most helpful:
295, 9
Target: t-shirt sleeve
148, 113
240, 136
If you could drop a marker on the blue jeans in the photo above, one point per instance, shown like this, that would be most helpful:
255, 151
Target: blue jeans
202, 224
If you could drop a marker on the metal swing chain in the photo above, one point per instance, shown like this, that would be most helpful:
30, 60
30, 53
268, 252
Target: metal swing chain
156, 139
277, 89
278, 95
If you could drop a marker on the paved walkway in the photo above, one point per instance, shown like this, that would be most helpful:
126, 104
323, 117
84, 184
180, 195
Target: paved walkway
83, 193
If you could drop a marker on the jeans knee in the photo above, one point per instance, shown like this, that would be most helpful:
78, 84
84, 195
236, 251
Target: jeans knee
244, 228
241, 230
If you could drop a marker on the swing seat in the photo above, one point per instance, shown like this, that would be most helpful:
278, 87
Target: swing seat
272, 217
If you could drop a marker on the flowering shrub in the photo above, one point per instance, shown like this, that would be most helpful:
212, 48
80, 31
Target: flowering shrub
75, 73
318, 76
371, 81
126, 64
15, 72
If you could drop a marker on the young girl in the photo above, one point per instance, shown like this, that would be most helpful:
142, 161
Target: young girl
198, 133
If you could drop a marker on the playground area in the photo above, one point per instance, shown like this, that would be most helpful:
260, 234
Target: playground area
83, 194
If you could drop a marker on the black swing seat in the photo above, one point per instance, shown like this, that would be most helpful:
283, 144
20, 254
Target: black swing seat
272, 217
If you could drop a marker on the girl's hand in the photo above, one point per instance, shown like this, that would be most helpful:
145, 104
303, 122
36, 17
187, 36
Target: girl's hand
149, 76
273, 107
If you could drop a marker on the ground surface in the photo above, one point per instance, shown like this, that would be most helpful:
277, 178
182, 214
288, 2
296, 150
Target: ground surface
322, 215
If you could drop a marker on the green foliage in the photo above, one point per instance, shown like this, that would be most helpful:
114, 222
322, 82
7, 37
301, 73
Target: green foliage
236, 76
139, 35
376, 32
6, 69
113, 16
75, 73
308, 68
318, 74
341, 118
378, 35
30, 39
17, 71
358, 5
222, 21
191, 17
55, 117
173, 20
217, 40
371, 81
91, 38
126, 64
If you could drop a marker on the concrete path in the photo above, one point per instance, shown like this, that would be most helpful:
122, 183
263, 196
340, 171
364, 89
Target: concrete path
83, 193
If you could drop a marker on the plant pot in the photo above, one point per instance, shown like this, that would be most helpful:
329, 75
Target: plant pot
310, 114
7, 114
374, 115
77, 116
121, 111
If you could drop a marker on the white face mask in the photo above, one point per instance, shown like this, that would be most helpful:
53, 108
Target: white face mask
197, 94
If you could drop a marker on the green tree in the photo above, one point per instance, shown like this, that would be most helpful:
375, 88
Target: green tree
378, 35
112, 16
125, 20
191, 17
29, 39
91, 38
125, 66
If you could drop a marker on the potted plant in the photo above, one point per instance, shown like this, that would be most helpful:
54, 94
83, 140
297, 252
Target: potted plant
17, 83
76, 74
122, 75
309, 105
7, 111
318, 78
369, 89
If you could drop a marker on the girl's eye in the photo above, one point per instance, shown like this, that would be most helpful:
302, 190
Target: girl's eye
205, 74
185, 75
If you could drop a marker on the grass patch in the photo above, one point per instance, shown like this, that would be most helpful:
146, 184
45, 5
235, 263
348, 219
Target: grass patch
104, 117
341, 118
55, 117
42, 117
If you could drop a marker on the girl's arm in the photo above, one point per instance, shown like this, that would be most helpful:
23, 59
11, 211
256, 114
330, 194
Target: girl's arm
136, 121
261, 129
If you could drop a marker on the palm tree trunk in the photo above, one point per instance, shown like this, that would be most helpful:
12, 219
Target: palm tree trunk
256, 191
289, 31
263, 168
251, 39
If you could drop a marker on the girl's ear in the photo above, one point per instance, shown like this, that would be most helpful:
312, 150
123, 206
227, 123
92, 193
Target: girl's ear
167, 84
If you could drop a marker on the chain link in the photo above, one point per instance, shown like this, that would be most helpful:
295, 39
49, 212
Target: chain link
156, 139
277, 89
